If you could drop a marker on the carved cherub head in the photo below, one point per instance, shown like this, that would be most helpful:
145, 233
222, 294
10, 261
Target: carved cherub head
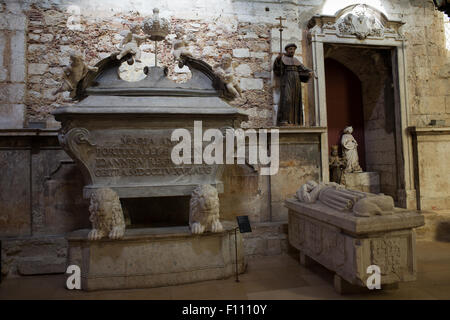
127, 36
134, 28
179, 30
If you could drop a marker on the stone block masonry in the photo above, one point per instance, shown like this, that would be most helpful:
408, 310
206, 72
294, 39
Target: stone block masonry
50, 43
13, 25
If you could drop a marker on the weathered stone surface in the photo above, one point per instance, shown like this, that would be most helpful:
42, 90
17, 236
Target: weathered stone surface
251, 84
18, 59
13, 22
58, 204
266, 238
41, 265
299, 155
243, 70
363, 181
12, 116
36, 255
259, 55
157, 257
210, 51
241, 53
15, 196
3, 69
37, 48
437, 226
37, 68
12, 93
55, 188
433, 150
263, 74
245, 193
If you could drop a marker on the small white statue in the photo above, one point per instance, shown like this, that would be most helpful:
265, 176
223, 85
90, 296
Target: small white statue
204, 210
180, 44
131, 43
225, 72
350, 151
106, 215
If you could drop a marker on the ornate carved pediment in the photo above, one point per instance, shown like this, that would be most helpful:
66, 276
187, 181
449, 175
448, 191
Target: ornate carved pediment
360, 21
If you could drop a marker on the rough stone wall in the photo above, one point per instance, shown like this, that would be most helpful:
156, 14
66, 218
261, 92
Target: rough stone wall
428, 64
428, 74
447, 33
50, 42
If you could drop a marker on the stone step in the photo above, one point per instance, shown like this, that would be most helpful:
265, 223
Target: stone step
437, 226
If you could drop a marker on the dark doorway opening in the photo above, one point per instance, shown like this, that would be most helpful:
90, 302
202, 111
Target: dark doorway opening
344, 106
360, 92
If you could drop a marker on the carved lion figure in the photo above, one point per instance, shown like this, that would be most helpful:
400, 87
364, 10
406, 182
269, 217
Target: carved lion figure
106, 215
204, 210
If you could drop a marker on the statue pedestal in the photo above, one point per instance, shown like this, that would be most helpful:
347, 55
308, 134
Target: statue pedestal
363, 181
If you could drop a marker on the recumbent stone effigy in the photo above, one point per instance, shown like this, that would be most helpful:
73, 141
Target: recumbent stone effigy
347, 231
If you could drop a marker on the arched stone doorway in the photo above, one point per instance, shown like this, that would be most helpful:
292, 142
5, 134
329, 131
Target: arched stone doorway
363, 29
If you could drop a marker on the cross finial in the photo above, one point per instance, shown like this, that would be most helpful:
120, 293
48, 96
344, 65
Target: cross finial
281, 19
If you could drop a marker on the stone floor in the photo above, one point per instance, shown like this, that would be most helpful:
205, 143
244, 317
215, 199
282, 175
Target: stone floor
274, 277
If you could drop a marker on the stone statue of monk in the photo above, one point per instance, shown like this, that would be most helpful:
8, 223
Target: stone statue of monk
292, 73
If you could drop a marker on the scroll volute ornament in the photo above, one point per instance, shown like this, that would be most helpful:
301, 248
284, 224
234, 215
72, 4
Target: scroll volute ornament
71, 141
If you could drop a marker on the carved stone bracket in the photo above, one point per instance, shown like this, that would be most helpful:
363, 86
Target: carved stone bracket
360, 21
71, 142
73, 138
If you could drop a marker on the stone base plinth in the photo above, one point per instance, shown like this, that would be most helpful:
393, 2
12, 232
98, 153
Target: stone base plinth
155, 257
363, 181
348, 245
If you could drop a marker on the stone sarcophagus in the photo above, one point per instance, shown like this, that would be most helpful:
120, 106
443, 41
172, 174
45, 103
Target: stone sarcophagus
120, 134
347, 231
149, 211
